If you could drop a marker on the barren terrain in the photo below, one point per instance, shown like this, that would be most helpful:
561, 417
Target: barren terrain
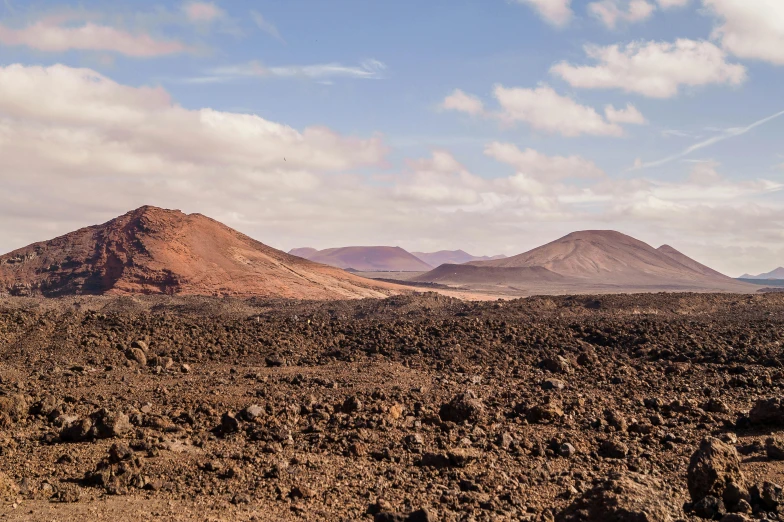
409, 408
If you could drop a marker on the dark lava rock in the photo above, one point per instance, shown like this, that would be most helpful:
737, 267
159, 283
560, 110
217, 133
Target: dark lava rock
768, 411
612, 449
774, 449
136, 354
770, 495
421, 515
715, 406
622, 498
107, 424
556, 364
714, 470
710, 507
229, 424
466, 407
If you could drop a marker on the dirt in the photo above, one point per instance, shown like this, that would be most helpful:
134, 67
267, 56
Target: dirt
407, 408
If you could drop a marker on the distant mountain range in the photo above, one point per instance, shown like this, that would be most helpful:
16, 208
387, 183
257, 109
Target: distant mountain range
452, 257
365, 258
600, 259
775, 274
385, 259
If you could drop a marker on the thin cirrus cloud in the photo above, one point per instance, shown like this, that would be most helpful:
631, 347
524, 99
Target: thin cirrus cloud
266, 26
723, 136
543, 109
54, 34
653, 69
367, 70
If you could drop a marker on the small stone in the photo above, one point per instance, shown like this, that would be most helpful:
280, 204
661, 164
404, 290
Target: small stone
566, 450
710, 507
774, 449
351, 404
613, 449
466, 407
229, 423
185, 368
252, 412
553, 384
141, 345
137, 355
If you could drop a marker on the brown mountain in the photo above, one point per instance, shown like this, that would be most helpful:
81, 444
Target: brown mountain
600, 259
688, 262
156, 251
369, 259
451, 257
304, 253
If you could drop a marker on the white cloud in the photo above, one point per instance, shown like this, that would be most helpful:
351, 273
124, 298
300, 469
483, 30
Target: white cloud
462, 102
53, 34
265, 25
750, 29
541, 167
79, 148
611, 12
654, 69
668, 4
544, 109
202, 12
556, 12
628, 115
367, 70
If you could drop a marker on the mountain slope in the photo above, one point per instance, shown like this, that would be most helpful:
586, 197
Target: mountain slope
602, 256
590, 261
156, 251
775, 274
304, 253
688, 262
451, 257
371, 259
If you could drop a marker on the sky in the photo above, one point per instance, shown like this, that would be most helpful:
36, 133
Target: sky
492, 126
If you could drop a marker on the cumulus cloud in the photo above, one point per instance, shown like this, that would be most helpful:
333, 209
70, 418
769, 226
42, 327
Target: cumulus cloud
462, 102
747, 29
79, 148
541, 167
55, 34
653, 69
613, 12
546, 110
628, 115
556, 12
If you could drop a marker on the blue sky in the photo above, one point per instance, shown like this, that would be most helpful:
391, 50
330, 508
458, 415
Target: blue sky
481, 125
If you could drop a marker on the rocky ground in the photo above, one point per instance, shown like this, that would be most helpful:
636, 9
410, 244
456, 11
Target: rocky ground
415, 408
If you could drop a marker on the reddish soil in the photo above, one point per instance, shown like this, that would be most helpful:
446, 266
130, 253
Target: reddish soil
412, 408
156, 251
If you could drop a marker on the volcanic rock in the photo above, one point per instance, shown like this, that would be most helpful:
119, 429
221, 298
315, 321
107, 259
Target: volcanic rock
622, 498
714, 470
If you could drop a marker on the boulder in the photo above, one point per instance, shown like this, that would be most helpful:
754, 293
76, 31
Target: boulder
623, 498
714, 470
768, 411
466, 407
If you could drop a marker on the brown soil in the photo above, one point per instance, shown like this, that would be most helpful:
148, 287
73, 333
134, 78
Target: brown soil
516, 410
156, 251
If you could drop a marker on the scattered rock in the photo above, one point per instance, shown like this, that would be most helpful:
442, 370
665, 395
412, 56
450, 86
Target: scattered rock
623, 498
768, 411
136, 354
466, 407
714, 470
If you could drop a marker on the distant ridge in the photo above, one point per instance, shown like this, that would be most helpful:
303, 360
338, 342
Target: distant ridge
775, 274
366, 258
594, 259
156, 251
452, 257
